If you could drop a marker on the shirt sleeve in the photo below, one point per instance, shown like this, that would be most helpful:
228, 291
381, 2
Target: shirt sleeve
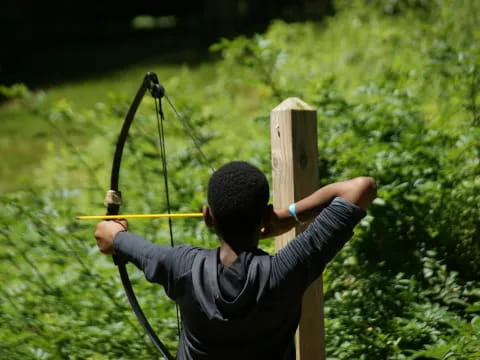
160, 263
305, 257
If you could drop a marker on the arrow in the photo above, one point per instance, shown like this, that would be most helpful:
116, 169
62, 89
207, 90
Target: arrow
137, 216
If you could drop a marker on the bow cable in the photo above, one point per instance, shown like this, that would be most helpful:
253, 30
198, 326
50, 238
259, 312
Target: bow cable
163, 156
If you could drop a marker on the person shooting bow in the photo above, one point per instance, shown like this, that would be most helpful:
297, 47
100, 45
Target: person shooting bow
237, 301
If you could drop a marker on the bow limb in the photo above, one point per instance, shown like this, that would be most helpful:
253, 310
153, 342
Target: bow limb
150, 82
113, 203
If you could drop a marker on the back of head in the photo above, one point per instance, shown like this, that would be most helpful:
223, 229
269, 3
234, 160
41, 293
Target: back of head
237, 196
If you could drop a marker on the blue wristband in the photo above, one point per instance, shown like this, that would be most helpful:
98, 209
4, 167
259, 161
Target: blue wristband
293, 211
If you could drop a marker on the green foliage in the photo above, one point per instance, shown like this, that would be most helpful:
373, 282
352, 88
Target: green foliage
464, 346
396, 88
61, 299
257, 61
14, 91
426, 164
375, 315
395, 7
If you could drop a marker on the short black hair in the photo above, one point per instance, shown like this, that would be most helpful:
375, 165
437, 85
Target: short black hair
238, 193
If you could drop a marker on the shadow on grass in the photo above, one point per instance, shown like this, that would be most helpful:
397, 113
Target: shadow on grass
52, 66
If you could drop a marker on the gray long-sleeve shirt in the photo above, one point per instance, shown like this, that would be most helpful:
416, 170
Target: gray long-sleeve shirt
251, 309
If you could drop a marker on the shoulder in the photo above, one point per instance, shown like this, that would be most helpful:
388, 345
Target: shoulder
185, 252
183, 257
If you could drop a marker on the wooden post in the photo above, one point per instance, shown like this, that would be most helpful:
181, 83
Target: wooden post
293, 126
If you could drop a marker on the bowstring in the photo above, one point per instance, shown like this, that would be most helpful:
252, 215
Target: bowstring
190, 133
163, 157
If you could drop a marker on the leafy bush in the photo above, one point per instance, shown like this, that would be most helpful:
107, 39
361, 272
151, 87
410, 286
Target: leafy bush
397, 98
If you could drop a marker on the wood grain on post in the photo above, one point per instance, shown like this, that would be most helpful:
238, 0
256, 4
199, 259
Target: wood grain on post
293, 126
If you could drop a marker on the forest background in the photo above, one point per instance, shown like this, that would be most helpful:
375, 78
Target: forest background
396, 86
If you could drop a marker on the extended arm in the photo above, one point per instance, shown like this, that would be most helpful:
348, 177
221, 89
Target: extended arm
160, 263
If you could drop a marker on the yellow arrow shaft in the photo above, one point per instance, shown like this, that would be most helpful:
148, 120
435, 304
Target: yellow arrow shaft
137, 216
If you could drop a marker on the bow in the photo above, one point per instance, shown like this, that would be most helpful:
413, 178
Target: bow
113, 198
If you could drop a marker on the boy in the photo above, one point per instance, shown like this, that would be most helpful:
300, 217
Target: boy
238, 302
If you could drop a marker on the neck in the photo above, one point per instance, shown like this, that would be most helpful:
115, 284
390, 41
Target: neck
228, 255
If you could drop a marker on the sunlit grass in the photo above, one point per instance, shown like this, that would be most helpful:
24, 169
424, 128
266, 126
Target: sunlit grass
25, 133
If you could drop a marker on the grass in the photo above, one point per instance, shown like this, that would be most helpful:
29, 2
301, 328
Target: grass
25, 133
370, 53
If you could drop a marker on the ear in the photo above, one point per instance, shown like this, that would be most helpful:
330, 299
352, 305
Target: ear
267, 218
267, 213
208, 216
